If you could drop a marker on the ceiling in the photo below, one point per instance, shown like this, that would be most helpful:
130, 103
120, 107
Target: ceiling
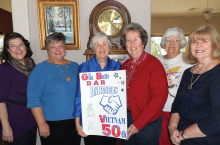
162, 8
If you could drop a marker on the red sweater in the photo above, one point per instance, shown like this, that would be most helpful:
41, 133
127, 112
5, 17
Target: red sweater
147, 91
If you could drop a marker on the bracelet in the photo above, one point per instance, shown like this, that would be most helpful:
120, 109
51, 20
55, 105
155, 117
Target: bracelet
183, 135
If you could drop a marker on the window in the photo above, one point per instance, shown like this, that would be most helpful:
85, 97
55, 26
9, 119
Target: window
156, 50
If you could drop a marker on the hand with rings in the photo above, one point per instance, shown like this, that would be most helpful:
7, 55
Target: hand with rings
175, 135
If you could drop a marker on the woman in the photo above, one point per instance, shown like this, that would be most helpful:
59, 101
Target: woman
18, 126
100, 62
195, 118
51, 93
172, 41
146, 88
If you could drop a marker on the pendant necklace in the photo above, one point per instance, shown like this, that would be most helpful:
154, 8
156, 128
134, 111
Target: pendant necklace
65, 73
193, 82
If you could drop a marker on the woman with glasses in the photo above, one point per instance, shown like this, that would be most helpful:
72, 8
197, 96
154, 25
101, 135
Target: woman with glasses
146, 88
172, 41
195, 114
17, 125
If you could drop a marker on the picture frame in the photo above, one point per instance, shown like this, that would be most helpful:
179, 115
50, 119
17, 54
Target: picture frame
59, 16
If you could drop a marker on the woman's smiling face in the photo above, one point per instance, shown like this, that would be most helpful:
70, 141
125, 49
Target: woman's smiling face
201, 48
17, 49
134, 44
101, 48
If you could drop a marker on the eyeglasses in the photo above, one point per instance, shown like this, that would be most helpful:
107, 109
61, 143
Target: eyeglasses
174, 40
136, 40
16, 46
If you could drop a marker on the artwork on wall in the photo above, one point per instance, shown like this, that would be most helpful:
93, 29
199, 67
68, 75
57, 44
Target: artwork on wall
60, 16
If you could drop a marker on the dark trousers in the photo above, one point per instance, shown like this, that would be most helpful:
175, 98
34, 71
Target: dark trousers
149, 135
62, 133
29, 138
99, 140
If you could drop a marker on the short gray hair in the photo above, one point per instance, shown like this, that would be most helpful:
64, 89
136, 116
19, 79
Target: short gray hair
97, 37
175, 31
55, 37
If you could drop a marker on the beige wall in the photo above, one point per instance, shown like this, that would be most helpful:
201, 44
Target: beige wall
25, 21
160, 24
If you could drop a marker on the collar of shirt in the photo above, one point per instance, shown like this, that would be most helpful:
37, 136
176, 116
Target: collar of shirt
131, 66
98, 67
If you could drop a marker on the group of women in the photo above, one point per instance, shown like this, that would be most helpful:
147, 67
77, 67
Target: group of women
48, 95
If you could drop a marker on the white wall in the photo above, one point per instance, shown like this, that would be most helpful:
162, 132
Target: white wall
25, 21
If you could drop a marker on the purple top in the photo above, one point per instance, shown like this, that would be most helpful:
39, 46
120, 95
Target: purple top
13, 87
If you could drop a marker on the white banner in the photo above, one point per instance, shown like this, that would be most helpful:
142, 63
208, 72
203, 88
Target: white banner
104, 103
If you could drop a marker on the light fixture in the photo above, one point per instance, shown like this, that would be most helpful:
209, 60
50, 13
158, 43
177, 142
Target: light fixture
207, 16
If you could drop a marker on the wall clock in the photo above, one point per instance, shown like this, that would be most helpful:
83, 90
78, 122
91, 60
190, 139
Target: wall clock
109, 17
110, 22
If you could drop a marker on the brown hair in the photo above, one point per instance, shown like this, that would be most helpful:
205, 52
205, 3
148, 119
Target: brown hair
5, 54
134, 27
202, 33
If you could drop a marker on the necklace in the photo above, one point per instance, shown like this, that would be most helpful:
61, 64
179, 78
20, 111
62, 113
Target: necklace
193, 82
65, 73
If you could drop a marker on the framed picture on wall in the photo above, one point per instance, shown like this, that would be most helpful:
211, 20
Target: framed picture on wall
59, 16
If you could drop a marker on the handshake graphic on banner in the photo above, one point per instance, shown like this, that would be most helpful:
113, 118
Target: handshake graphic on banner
111, 104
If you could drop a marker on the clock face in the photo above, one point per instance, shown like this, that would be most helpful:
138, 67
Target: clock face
110, 22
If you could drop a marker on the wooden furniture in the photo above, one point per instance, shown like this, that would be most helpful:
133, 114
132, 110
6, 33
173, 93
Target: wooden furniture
6, 21
109, 17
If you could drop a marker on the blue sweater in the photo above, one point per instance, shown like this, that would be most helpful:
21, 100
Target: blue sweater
200, 105
92, 66
49, 89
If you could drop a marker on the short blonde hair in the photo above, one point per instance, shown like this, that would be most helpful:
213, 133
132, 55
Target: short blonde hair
202, 33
